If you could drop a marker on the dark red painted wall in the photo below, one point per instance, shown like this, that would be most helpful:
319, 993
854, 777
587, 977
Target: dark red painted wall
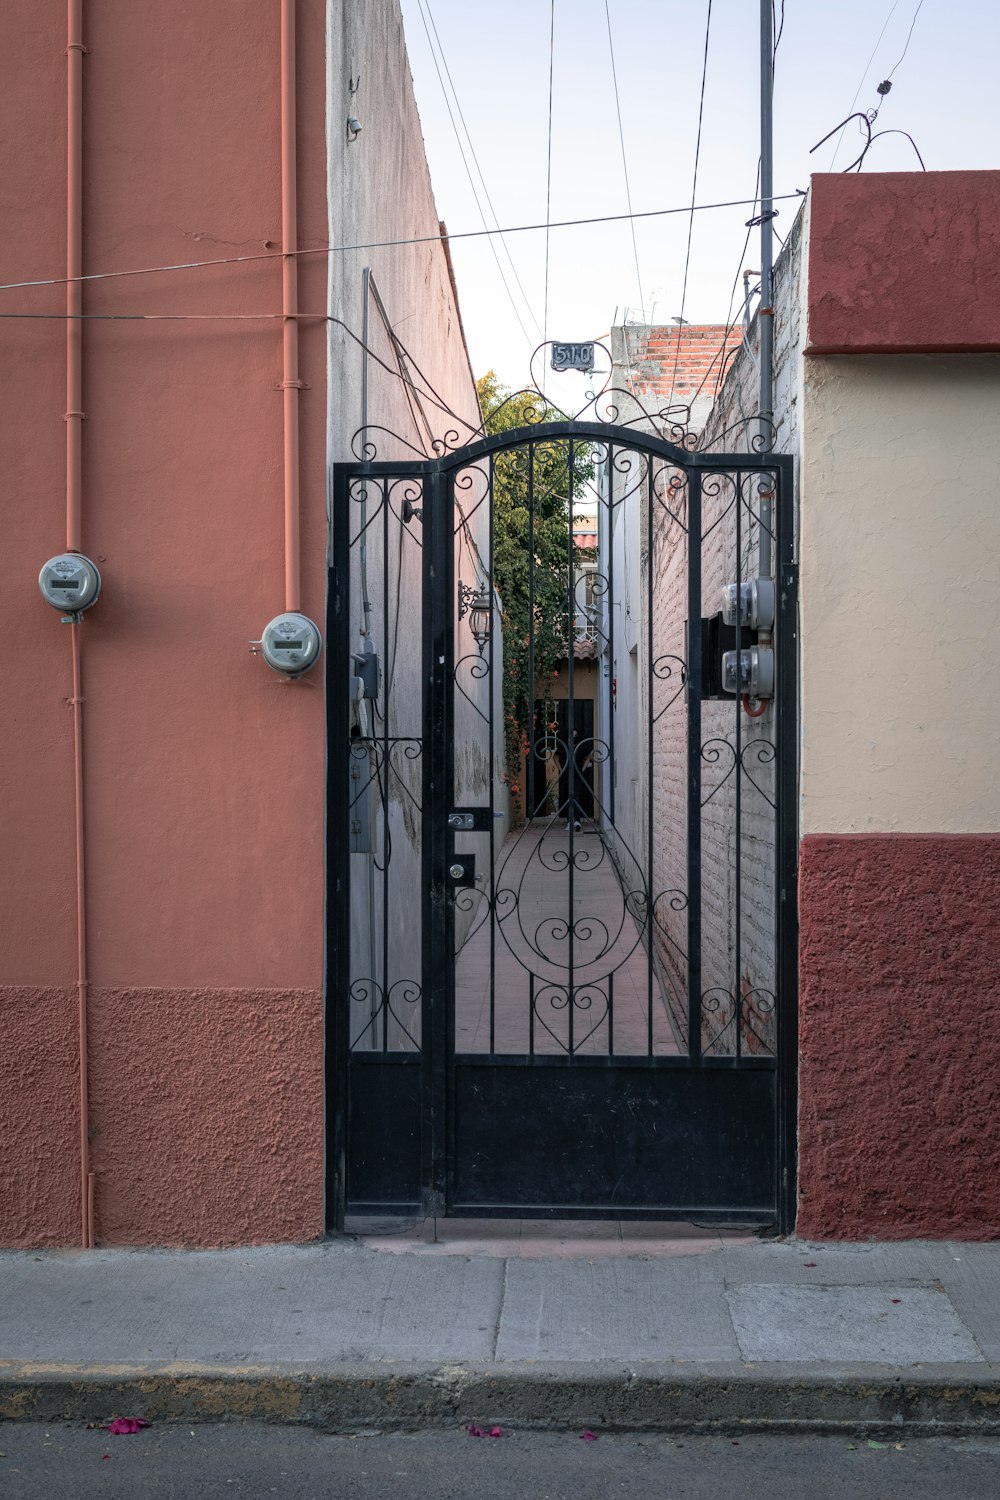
904, 262
899, 1113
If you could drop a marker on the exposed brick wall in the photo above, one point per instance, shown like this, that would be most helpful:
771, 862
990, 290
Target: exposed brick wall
674, 374
749, 923
670, 367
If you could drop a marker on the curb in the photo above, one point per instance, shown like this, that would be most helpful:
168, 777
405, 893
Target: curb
349, 1398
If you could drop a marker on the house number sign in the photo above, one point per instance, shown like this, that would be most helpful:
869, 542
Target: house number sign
573, 357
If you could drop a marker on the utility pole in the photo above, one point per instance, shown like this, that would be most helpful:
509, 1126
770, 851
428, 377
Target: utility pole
765, 312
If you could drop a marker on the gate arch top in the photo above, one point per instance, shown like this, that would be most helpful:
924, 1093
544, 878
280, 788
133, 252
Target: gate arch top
621, 435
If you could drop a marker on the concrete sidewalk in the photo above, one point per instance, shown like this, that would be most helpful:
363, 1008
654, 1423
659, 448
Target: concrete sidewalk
701, 1332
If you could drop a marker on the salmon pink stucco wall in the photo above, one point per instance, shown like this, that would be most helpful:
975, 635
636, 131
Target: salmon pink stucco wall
203, 770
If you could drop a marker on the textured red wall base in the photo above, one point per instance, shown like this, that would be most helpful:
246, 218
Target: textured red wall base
206, 1114
899, 1037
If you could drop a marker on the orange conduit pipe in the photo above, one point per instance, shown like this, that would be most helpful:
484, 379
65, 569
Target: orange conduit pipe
74, 485
290, 382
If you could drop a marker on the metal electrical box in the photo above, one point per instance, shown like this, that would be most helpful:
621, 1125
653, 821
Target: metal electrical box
750, 672
291, 644
70, 582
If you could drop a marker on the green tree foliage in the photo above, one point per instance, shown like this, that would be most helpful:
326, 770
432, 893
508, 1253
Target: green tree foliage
531, 555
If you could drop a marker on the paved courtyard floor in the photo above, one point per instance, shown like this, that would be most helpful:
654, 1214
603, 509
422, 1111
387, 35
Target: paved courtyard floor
513, 973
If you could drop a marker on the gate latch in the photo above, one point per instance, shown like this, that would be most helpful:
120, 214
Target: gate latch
470, 819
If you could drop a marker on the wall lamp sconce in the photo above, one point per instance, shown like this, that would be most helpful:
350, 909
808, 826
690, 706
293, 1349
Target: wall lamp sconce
353, 127
478, 605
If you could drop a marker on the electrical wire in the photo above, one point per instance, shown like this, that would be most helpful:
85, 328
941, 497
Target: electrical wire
430, 394
723, 354
479, 170
548, 175
870, 139
864, 75
423, 239
730, 321
621, 138
909, 34
694, 192
468, 169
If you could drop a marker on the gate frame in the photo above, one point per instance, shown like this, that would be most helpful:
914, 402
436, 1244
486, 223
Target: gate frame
433, 474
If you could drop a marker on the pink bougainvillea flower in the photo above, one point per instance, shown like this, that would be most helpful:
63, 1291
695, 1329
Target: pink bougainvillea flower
123, 1425
496, 1432
587, 1436
475, 1431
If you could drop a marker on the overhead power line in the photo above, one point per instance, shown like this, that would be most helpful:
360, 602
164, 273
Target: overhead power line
621, 138
435, 51
857, 92
694, 192
909, 34
548, 174
482, 179
420, 239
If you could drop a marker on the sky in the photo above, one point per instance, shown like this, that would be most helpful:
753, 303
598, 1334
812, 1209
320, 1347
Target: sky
944, 93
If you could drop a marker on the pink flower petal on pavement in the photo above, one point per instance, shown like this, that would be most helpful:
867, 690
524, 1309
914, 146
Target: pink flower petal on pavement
124, 1425
496, 1432
587, 1436
475, 1431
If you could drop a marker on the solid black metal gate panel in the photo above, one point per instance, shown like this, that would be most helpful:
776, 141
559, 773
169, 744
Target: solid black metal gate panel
627, 1141
562, 925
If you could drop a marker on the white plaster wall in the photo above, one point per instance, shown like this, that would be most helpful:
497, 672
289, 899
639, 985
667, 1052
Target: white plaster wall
900, 592
380, 190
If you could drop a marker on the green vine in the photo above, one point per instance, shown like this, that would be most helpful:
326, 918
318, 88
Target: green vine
534, 601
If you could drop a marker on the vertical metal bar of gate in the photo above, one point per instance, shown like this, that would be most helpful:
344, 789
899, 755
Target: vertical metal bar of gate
739, 481
608, 793
694, 762
489, 881
338, 923
438, 919
531, 809
571, 750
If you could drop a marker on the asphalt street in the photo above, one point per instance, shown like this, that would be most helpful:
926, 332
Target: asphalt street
73, 1463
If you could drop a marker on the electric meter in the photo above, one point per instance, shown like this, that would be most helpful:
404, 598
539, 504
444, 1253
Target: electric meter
750, 672
291, 644
755, 601
70, 582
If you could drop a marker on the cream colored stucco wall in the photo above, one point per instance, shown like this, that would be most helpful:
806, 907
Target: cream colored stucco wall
900, 556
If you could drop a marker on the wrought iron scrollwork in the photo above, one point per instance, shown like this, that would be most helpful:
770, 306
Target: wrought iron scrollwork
384, 1007
756, 752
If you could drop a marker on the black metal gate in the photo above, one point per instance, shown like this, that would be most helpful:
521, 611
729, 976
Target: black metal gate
562, 939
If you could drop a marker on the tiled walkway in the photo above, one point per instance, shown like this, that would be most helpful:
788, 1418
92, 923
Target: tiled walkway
532, 947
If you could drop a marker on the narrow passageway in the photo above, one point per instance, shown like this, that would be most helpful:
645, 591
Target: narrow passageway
525, 954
